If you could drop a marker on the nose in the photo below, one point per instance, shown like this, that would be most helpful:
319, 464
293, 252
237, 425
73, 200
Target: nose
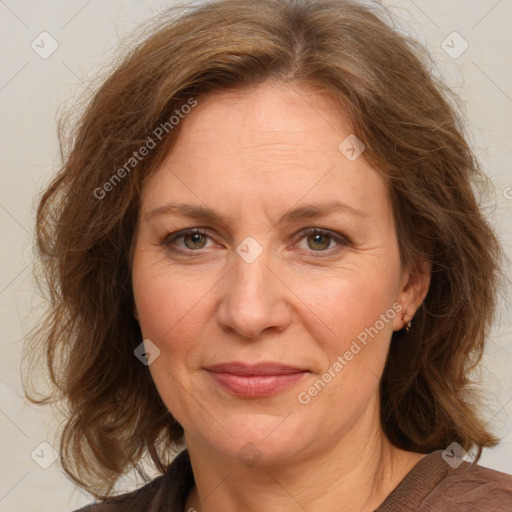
254, 299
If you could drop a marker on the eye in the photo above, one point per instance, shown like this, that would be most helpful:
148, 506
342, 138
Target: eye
188, 240
321, 240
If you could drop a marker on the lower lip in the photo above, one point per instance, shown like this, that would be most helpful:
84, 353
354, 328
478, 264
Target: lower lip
256, 385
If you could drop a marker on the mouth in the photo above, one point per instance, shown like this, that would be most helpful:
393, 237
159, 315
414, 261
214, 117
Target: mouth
255, 380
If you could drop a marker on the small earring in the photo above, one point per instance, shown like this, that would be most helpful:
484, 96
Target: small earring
408, 323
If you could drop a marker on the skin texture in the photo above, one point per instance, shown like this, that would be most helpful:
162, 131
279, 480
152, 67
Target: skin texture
251, 156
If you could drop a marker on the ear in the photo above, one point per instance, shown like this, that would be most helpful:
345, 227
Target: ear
414, 287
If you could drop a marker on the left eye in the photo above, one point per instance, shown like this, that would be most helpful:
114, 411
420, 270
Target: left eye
318, 240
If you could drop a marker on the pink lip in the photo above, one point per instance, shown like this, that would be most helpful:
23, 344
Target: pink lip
257, 380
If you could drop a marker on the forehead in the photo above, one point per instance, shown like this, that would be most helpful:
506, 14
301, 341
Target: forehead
270, 145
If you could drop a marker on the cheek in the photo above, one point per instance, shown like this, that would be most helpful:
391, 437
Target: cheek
168, 302
359, 314
348, 301
355, 312
171, 308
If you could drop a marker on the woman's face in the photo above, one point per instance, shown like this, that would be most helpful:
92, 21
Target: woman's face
253, 315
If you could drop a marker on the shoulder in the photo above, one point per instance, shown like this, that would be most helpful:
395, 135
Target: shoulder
166, 493
137, 500
470, 487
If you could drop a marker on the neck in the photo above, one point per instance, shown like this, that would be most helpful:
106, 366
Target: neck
354, 473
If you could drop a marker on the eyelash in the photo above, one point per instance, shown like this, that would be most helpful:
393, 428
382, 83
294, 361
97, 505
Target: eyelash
341, 240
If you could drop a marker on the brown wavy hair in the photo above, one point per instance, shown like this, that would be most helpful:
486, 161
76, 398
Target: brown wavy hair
414, 137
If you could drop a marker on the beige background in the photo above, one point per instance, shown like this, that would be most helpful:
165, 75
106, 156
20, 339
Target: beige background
87, 32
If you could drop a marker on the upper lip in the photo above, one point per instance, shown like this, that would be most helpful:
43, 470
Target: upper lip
239, 368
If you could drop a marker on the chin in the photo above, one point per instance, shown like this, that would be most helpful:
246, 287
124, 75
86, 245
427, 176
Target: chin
263, 439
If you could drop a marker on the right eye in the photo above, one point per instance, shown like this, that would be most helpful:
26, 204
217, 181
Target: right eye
187, 241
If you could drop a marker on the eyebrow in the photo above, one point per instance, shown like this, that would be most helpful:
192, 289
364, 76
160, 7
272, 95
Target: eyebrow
302, 212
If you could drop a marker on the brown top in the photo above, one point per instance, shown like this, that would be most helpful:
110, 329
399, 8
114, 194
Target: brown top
432, 485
